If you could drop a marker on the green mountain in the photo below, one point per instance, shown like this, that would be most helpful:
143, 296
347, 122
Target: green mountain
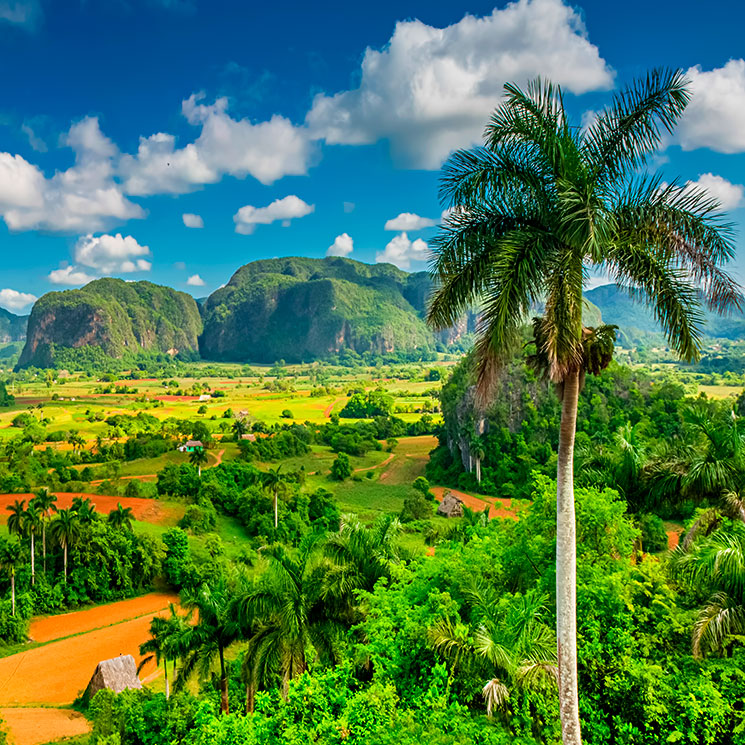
637, 324
113, 318
302, 309
12, 327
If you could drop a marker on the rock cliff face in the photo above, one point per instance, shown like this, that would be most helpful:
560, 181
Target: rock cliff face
12, 327
302, 309
113, 317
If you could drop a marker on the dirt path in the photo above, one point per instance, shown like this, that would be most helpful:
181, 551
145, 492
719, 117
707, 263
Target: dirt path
218, 458
48, 628
38, 726
497, 507
382, 464
145, 510
330, 407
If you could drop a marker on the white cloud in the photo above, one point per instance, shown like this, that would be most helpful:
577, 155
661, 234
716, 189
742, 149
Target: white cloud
69, 275
730, 196
192, 221
33, 139
342, 246
401, 251
285, 209
715, 114
111, 254
20, 12
15, 301
431, 90
348, 207
195, 281
85, 197
409, 221
266, 150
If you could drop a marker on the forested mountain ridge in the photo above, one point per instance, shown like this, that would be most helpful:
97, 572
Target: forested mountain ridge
637, 323
110, 317
300, 309
12, 327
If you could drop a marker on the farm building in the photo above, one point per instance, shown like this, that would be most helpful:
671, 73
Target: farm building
191, 445
450, 506
116, 674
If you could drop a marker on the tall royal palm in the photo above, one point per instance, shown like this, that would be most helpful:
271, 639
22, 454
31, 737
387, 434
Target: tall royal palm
45, 502
531, 212
65, 529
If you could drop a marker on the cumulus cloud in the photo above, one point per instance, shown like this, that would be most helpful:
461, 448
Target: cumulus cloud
409, 221
195, 281
26, 13
33, 139
112, 254
342, 246
430, 90
14, 301
285, 209
83, 198
69, 275
714, 117
401, 251
730, 196
266, 150
192, 221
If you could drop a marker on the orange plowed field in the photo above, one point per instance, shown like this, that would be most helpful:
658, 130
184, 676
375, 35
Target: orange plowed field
57, 672
146, 510
497, 507
37, 726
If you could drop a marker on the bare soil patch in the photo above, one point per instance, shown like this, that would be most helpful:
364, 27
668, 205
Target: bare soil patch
497, 507
146, 510
37, 726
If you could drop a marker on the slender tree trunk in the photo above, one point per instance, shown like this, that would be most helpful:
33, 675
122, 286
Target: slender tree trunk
566, 567
276, 510
44, 544
478, 470
64, 552
33, 562
168, 690
224, 701
250, 698
13, 592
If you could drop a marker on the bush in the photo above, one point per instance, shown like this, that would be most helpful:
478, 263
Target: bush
199, 518
416, 507
341, 468
654, 537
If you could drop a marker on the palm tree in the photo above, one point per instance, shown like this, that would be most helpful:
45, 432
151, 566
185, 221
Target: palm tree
198, 458
716, 564
45, 502
121, 517
217, 628
65, 529
284, 616
15, 519
274, 483
9, 560
31, 525
84, 508
358, 557
531, 212
165, 643
517, 650
239, 428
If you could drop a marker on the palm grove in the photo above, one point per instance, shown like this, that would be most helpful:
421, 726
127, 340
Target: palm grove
326, 629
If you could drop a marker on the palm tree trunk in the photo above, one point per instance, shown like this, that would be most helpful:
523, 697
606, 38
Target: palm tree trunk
44, 544
168, 690
276, 510
224, 701
64, 552
566, 566
33, 562
13, 592
250, 698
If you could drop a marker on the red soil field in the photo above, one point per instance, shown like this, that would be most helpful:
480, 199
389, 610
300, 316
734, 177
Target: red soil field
176, 398
48, 628
673, 539
38, 726
497, 507
145, 510
57, 672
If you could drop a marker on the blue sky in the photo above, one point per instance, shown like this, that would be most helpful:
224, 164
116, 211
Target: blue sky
288, 128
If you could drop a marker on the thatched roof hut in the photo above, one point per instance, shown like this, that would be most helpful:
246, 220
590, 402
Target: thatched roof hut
451, 506
117, 675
